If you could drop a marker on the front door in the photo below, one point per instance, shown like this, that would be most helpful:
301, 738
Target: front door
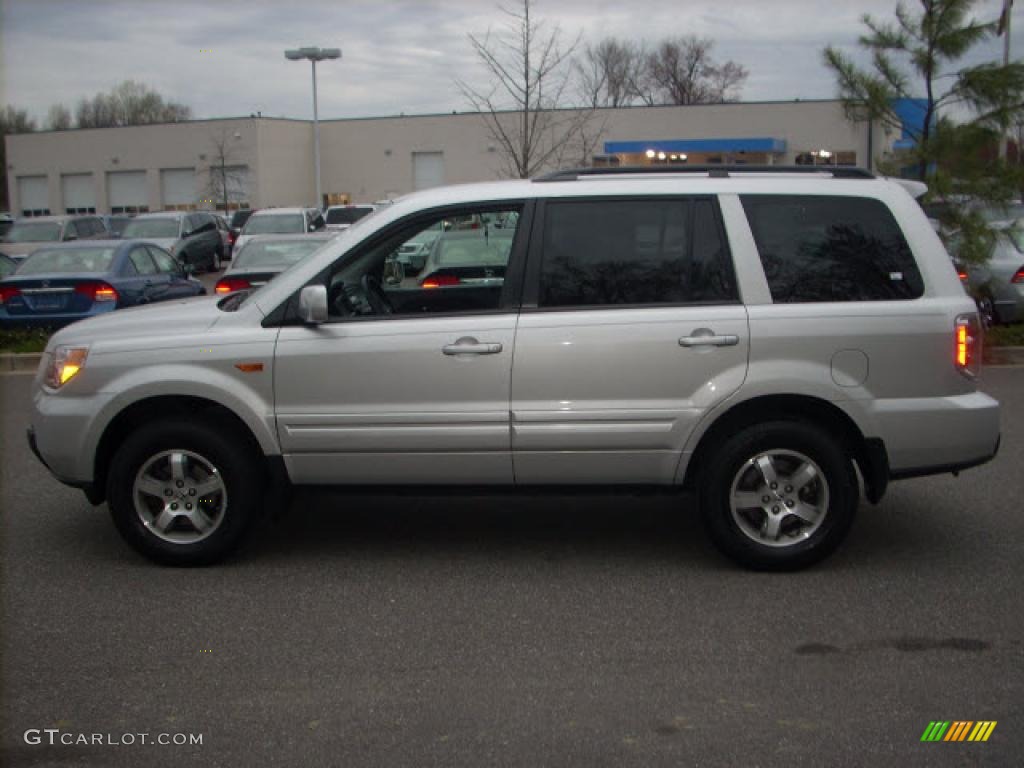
631, 330
405, 384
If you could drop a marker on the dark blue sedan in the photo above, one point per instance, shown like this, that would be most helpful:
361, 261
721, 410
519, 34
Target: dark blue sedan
65, 282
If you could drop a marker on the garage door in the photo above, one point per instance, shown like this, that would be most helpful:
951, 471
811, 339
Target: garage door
178, 188
126, 192
33, 196
79, 193
427, 169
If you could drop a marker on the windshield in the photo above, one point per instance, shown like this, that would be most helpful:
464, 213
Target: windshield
116, 225
275, 224
346, 215
164, 228
67, 260
273, 253
33, 232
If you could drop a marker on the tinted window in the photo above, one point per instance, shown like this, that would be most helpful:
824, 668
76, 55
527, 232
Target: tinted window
238, 218
67, 260
634, 252
141, 261
831, 249
346, 215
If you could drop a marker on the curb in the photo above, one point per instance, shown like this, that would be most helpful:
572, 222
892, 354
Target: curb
19, 362
29, 361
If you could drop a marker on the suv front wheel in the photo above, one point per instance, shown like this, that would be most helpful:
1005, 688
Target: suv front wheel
779, 495
183, 492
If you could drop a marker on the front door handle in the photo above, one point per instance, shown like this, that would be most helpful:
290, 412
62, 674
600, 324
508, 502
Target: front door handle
467, 345
703, 337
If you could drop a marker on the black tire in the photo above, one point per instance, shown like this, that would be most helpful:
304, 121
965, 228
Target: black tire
986, 311
239, 468
798, 543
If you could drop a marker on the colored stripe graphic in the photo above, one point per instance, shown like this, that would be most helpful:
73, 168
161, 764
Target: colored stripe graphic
958, 730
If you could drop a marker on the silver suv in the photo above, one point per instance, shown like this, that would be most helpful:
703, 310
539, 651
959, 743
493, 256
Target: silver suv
756, 337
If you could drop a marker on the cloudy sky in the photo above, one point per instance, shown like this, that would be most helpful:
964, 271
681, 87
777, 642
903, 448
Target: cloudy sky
225, 57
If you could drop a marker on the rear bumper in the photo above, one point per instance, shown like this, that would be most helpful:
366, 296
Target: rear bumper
936, 435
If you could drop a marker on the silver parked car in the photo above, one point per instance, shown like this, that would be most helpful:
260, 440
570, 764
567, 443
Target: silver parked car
780, 342
28, 234
998, 284
266, 256
280, 221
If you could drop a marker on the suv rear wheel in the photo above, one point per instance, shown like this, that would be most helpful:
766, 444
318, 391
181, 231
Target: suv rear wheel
183, 492
779, 495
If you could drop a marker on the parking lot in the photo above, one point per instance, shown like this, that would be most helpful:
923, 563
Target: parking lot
467, 630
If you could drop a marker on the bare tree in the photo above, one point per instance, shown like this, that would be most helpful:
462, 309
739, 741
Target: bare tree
228, 177
530, 75
681, 71
11, 121
608, 71
129, 103
58, 118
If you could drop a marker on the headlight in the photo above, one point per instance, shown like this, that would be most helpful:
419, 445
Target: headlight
65, 363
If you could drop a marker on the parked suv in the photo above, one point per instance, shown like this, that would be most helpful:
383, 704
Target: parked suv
191, 238
757, 337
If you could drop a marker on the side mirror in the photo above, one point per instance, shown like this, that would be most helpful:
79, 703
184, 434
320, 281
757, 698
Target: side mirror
313, 304
394, 272
188, 269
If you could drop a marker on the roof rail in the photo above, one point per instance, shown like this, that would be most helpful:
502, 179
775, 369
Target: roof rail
714, 171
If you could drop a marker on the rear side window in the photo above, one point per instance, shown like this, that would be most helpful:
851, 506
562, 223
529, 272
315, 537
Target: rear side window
630, 252
820, 248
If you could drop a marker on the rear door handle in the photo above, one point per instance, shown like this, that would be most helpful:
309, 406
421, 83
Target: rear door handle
467, 345
710, 340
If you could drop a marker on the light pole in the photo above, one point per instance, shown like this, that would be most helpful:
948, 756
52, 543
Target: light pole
314, 55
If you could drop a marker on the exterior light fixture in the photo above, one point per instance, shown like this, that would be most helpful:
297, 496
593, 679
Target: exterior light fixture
314, 54
650, 154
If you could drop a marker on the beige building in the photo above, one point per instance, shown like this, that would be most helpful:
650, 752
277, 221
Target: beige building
260, 161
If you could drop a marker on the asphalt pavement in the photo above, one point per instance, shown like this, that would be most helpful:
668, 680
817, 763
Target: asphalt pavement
458, 630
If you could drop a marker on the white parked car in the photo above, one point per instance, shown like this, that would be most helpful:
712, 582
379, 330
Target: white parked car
780, 342
280, 221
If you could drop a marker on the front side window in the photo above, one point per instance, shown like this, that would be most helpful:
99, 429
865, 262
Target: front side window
634, 252
460, 268
825, 248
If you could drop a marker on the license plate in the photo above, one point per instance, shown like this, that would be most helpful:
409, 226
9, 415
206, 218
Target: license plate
47, 303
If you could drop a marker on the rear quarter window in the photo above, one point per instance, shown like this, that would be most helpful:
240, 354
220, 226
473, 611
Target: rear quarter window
826, 248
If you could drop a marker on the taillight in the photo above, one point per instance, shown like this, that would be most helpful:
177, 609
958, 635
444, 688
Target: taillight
967, 345
439, 281
962, 274
232, 236
97, 291
1018, 276
8, 292
230, 285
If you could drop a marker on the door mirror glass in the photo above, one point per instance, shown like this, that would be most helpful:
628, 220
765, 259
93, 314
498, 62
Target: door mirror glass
313, 304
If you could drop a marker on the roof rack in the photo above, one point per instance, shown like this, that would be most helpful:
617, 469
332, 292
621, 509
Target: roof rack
714, 171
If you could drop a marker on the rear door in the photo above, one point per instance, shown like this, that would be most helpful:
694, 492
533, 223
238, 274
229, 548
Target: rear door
631, 329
